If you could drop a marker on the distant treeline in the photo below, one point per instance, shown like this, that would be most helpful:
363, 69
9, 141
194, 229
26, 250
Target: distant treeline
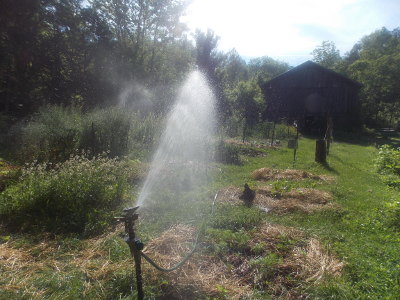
134, 54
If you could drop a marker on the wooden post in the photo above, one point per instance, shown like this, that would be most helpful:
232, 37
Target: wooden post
320, 151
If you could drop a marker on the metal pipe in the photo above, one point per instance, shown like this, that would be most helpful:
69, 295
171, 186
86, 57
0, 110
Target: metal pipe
135, 245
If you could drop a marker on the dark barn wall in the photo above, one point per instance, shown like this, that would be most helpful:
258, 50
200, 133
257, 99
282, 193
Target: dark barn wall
311, 92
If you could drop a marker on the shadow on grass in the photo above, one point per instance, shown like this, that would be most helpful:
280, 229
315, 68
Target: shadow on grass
327, 167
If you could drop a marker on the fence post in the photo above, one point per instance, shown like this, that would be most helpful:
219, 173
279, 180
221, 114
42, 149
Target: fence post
320, 151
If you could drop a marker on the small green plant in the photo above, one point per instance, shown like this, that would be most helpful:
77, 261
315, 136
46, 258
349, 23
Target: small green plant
116, 248
279, 188
259, 248
236, 217
265, 265
228, 240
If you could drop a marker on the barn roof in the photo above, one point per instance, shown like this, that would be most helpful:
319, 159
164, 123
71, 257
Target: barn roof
312, 65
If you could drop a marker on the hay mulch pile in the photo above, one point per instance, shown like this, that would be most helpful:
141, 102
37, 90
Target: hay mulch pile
301, 199
304, 260
201, 275
291, 174
24, 269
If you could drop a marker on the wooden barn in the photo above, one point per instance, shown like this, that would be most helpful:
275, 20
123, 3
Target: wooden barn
310, 95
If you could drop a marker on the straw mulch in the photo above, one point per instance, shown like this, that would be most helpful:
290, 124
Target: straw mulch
22, 267
201, 275
305, 260
302, 199
291, 174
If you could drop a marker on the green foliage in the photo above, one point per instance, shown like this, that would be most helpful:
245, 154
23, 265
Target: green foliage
107, 130
387, 164
227, 153
229, 241
375, 63
327, 55
280, 187
236, 217
55, 133
78, 195
247, 101
264, 268
265, 68
258, 248
116, 248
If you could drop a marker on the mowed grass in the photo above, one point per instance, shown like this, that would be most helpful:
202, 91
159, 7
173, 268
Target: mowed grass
356, 232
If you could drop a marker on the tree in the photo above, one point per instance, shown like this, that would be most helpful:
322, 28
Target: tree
209, 61
327, 55
233, 69
378, 69
265, 68
247, 98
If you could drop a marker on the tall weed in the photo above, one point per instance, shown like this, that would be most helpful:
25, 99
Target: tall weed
78, 195
53, 134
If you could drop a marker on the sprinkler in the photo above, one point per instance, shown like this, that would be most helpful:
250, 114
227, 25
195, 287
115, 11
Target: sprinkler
129, 216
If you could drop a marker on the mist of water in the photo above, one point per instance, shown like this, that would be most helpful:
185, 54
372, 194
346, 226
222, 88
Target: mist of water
180, 164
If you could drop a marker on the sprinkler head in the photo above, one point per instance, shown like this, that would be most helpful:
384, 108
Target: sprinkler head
129, 212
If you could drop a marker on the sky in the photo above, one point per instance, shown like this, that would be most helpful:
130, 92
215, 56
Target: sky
289, 30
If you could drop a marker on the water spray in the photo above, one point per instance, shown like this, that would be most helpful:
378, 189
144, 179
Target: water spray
179, 165
129, 216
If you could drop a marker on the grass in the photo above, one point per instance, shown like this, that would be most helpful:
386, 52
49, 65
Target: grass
253, 251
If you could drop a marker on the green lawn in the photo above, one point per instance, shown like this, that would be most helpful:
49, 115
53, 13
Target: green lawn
356, 232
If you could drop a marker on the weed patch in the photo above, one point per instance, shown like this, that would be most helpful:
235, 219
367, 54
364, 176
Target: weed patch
75, 196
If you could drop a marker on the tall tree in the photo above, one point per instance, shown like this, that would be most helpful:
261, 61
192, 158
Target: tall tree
209, 61
265, 68
327, 55
247, 99
378, 69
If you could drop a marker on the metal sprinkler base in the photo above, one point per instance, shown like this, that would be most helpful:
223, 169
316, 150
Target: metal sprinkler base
129, 216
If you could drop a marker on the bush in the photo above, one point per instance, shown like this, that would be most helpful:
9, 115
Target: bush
78, 195
388, 160
53, 135
226, 153
107, 130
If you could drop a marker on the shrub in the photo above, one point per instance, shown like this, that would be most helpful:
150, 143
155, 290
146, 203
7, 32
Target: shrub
78, 195
388, 160
227, 153
107, 130
53, 134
